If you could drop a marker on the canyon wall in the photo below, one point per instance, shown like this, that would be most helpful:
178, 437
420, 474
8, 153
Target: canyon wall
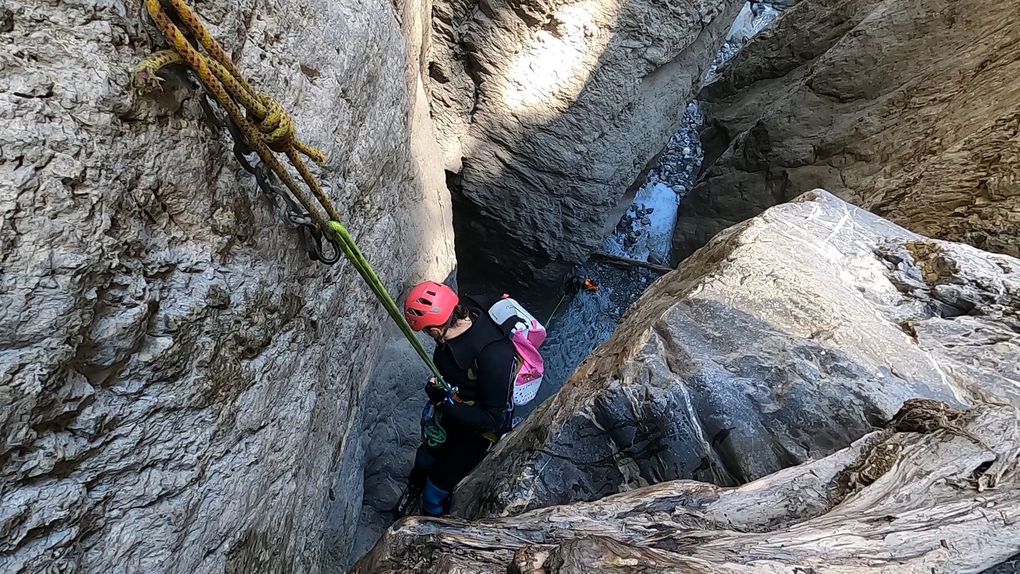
180, 385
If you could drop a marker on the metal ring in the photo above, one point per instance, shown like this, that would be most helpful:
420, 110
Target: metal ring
296, 215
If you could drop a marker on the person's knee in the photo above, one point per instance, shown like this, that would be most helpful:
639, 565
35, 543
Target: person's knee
457, 464
424, 458
447, 475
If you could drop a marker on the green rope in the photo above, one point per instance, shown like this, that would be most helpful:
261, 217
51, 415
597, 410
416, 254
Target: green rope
433, 432
556, 308
357, 259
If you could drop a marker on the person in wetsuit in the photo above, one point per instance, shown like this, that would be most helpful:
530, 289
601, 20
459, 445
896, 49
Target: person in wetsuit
474, 355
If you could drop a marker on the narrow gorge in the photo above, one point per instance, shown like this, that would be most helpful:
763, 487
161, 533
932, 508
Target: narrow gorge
777, 243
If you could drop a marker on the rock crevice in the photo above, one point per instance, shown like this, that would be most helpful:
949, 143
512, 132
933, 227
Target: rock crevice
536, 102
894, 105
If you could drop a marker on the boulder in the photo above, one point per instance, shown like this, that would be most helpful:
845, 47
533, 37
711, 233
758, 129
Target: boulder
938, 492
548, 111
904, 107
785, 339
179, 383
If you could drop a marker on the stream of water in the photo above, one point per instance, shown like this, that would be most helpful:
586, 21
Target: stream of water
586, 320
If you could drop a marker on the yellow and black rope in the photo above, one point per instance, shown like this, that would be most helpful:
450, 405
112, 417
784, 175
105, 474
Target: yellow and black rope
268, 129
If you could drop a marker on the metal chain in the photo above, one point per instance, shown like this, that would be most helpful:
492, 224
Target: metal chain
311, 235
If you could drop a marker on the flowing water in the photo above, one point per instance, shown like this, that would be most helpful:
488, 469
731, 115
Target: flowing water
584, 321
587, 319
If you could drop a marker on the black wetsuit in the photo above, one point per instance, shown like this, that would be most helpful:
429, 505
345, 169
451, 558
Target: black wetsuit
481, 363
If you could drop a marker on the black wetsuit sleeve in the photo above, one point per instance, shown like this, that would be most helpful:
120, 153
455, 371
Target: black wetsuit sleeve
495, 373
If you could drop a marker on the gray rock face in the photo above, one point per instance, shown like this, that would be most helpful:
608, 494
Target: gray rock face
548, 111
942, 500
1011, 566
906, 108
178, 382
391, 433
783, 340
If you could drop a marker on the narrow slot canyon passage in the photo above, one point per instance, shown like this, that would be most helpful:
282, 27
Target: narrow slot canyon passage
581, 319
774, 245
651, 439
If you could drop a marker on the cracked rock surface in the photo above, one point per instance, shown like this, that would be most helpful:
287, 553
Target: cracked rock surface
785, 339
179, 384
904, 107
548, 111
934, 501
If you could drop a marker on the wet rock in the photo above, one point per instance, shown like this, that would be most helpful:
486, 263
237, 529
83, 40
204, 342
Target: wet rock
646, 236
391, 432
678, 163
784, 340
879, 505
890, 104
179, 383
548, 111
752, 19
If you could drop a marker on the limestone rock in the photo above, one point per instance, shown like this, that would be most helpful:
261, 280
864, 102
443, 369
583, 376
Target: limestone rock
549, 110
938, 502
783, 340
179, 383
391, 432
906, 108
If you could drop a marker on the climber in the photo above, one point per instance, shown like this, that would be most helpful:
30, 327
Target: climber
575, 283
475, 357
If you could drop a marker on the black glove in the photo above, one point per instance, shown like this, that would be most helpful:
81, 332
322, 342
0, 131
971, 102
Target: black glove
436, 394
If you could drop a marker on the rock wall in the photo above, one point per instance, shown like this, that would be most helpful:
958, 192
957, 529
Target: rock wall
547, 114
179, 383
391, 433
910, 109
935, 493
782, 341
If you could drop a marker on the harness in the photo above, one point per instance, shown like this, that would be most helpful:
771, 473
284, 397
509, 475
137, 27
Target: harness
508, 411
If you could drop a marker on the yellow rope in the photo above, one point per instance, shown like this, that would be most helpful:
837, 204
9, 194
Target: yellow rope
272, 129
268, 129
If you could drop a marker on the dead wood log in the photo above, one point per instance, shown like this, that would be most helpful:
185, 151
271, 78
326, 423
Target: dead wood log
627, 263
932, 501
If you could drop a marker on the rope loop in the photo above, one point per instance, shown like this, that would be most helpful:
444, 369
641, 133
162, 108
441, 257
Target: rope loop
268, 129
276, 128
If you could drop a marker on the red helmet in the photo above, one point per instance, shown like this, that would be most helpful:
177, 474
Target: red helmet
429, 304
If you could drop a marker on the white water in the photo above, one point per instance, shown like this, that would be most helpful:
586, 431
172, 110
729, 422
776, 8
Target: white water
584, 321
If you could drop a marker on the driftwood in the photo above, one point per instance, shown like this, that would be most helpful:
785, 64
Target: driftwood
626, 263
945, 499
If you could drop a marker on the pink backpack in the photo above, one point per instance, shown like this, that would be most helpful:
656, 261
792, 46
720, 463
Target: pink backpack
527, 335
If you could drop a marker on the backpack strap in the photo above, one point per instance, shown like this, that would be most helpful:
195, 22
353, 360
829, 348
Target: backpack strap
506, 329
465, 352
508, 413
